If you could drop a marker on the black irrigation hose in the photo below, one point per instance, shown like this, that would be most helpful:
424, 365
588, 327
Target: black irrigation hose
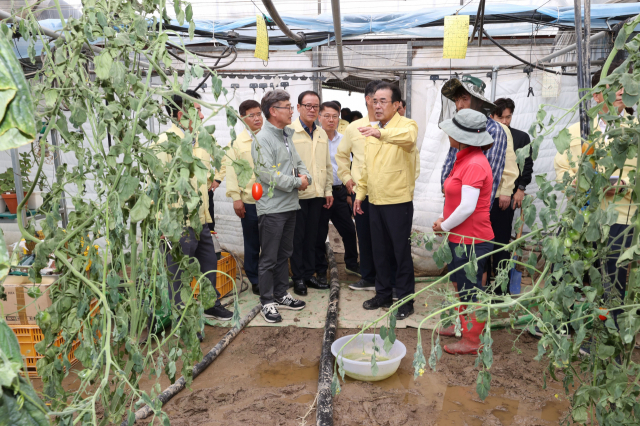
173, 390
324, 410
513, 55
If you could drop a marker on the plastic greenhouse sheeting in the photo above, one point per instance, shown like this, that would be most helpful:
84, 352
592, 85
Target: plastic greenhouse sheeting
500, 19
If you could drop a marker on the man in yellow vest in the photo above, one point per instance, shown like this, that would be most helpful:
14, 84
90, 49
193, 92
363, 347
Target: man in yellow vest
311, 143
344, 118
352, 144
388, 179
200, 247
616, 277
243, 202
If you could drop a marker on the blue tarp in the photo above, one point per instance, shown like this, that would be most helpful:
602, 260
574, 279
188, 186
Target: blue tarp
421, 23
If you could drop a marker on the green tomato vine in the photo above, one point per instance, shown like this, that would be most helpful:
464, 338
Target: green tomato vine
113, 274
572, 299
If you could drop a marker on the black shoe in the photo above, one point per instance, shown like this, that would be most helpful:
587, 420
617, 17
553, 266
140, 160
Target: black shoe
219, 313
354, 270
394, 294
317, 283
404, 311
377, 302
321, 278
255, 289
362, 285
270, 313
199, 336
536, 332
299, 287
288, 302
585, 349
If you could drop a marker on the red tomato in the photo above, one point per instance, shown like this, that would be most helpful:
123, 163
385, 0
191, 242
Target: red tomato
603, 314
256, 191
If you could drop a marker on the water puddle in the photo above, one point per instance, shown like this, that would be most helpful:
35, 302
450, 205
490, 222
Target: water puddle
456, 405
460, 405
281, 374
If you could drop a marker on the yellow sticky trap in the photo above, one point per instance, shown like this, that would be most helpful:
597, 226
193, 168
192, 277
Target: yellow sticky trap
456, 37
262, 39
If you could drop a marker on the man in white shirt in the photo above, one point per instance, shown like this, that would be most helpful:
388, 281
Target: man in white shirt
339, 212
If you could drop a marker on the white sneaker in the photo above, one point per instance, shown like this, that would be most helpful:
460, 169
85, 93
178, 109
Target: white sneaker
270, 313
288, 302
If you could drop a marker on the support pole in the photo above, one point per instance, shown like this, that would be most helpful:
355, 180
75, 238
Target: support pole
337, 29
315, 60
324, 410
572, 47
57, 163
173, 390
17, 180
494, 82
580, 60
407, 96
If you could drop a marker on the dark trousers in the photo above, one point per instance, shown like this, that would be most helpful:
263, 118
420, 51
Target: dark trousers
202, 250
212, 225
390, 233
251, 236
501, 221
303, 258
466, 287
340, 215
276, 244
363, 228
616, 277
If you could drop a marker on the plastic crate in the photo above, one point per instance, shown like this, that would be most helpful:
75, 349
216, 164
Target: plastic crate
224, 284
28, 336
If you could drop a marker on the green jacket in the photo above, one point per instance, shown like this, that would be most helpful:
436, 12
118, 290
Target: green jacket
275, 162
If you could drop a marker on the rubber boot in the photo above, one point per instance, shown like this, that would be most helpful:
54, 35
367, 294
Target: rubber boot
449, 331
470, 342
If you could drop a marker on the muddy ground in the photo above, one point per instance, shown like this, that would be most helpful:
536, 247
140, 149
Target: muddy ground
268, 376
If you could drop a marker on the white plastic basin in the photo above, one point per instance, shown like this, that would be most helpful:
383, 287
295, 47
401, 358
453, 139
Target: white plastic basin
361, 370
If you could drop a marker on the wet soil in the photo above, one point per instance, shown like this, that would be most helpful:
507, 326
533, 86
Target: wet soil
268, 376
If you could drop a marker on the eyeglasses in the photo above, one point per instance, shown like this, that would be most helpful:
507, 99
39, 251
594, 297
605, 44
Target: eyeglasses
330, 117
252, 116
290, 108
381, 103
311, 107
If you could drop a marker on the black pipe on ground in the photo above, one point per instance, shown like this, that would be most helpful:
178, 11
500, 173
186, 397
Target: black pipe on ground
173, 390
324, 410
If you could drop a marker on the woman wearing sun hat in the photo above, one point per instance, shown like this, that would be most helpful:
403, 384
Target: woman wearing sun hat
467, 203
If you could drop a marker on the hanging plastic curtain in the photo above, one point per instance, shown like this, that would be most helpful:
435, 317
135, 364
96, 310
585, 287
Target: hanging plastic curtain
456, 36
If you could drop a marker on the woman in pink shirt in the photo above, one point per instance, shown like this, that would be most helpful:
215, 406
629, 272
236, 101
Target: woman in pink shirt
467, 202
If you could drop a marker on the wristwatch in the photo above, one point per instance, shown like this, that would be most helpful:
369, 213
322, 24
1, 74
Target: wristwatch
522, 187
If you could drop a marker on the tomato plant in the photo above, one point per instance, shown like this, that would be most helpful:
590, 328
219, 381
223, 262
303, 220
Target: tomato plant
110, 256
572, 286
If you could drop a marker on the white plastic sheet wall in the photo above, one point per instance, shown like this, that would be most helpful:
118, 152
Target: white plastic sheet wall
428, 197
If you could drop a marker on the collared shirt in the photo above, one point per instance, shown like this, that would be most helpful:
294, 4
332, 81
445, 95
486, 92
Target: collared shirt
308, 130
496, 156
333, 148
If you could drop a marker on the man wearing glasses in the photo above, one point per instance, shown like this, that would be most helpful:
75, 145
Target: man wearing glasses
388, 179
243, 203
277, 161
340, 212
311, 143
